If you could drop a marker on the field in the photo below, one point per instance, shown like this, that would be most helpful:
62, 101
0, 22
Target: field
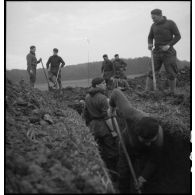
49, 149
76, 83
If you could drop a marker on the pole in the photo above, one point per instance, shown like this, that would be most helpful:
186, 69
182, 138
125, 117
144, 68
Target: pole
153, 71
88, 61
46, 76
115, 124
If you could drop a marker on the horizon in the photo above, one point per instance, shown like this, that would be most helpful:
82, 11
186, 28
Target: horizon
81, 28
90, 62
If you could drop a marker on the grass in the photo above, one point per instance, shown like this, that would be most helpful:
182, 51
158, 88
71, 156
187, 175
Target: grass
75, 83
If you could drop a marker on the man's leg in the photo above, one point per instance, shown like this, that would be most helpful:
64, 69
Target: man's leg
110, 152
171, 68
157, 66
59, 81
32, 77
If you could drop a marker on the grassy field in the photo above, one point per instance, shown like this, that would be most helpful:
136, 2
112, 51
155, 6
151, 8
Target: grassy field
76, 83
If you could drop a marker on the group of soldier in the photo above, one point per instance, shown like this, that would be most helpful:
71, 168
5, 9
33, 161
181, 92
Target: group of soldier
141, 133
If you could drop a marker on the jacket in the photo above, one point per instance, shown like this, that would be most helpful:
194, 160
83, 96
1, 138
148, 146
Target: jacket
55, 62
95, 111
165, 32
107, 66
132, 116
31, 60
119, 65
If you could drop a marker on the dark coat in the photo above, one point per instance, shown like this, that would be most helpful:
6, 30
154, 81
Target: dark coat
55, 62
164, 32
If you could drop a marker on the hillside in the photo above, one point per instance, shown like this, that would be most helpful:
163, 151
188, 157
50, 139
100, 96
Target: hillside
80, 71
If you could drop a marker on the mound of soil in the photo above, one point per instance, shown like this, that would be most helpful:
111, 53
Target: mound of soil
48, 147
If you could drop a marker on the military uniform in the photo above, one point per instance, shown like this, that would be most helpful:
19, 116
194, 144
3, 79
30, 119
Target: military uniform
120, 68
164, 33
145, 159
31, 66
55, 62
108, 71
95, 113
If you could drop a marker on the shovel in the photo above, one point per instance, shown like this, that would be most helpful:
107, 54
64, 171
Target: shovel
49, 87
153, 71
115, 124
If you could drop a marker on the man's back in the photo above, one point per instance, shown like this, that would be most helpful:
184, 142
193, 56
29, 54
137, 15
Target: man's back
55, 61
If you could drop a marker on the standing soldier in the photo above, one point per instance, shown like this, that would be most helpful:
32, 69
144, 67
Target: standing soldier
165, 35
119, 67
97, 117
32, 65
107, 70
56, 64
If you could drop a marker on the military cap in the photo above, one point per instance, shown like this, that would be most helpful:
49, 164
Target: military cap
32, 47
55, 49
116, 55
157, 12
105, 55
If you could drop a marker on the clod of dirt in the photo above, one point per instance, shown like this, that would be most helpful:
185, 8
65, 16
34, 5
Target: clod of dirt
48, 118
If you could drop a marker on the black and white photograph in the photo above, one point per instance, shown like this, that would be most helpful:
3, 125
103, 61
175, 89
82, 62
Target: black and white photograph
97, 97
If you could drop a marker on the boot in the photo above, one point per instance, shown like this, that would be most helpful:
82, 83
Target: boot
172, 84
149, 84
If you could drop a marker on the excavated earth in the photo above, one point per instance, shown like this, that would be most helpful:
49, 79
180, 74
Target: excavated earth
50, 150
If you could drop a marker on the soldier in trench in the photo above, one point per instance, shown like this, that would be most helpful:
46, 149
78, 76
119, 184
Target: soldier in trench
143, 138
97, 118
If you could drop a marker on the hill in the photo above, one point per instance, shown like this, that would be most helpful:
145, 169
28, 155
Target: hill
80, 71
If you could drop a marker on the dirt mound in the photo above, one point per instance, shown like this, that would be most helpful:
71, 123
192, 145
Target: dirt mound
48, 147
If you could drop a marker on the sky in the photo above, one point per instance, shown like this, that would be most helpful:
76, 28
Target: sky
79, 29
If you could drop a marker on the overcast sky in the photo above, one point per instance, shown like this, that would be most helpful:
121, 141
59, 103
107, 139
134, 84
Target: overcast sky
111, 27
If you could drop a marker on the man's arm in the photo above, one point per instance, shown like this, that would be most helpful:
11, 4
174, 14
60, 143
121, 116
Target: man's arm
48, 62
175, 32
29, 60
102, 68
62, 61
150, 38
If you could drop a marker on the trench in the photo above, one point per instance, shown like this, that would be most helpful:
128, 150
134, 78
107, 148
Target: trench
174, 171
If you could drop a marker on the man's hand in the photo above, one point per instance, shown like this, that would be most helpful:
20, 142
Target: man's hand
141, 181
165, 47
150, 46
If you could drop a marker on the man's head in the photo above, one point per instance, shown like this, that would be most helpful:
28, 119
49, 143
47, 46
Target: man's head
99, 82
32, 48
156, 15
116, 56
147, 130
55, 51
105, 57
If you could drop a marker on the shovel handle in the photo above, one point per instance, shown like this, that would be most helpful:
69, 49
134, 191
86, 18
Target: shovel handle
153, 71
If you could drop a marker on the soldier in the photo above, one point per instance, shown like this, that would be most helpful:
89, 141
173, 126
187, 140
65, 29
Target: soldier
56, 64
32, 65
143, 138
107, 70
119, 66
165, 34
96, 115
119, 83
